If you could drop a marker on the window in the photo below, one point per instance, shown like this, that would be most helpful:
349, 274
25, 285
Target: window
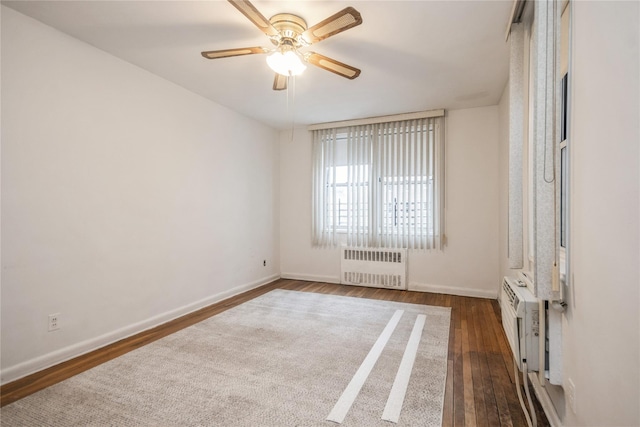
563, 164
338, 186
379, 185
563, 250
401, 208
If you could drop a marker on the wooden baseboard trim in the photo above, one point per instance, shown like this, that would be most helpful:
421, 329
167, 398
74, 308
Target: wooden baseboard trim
56, 357
451, 290
311, 277
32, 383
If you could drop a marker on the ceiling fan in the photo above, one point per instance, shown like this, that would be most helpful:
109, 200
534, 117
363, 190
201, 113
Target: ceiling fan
289, 33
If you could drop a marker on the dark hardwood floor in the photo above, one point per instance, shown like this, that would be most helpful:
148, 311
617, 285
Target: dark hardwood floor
480, 391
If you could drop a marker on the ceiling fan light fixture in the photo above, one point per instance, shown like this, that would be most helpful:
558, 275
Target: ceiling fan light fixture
286, 62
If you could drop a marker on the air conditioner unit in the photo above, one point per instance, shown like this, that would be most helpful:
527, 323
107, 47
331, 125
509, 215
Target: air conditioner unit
521, 322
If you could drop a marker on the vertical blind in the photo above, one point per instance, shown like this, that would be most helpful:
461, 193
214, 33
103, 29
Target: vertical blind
379, 184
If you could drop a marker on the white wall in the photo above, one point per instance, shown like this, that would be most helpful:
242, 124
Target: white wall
469, 265
126, 200
601, 331
298, 259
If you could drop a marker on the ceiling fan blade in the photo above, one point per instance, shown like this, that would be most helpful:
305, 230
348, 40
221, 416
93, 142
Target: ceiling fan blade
215, 54
250, 11
332, 65
341, 21
280, 82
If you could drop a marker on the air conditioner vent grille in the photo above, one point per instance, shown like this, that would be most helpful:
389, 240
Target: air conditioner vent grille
510, 294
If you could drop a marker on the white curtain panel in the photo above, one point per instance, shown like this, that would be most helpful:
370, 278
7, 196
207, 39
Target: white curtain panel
546, 149
381, 184
516, 144
323, 171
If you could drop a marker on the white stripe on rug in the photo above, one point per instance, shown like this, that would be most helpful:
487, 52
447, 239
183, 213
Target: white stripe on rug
350, 393
400, 384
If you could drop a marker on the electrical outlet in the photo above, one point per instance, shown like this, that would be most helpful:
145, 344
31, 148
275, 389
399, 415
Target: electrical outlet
571, 395
54, 322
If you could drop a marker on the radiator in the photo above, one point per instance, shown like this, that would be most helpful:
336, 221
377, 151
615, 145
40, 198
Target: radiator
378, 268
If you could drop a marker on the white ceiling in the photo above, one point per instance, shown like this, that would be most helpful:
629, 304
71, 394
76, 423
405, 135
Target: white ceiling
414, 55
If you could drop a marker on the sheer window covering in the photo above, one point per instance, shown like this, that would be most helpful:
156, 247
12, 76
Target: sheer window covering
380, 184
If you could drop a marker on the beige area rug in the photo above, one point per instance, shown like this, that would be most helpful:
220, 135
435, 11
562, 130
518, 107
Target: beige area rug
282, 359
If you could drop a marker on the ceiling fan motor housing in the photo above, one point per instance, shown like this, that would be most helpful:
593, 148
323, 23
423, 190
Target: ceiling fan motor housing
289, 26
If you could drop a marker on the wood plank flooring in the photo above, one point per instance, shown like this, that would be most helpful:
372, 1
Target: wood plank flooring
480, 388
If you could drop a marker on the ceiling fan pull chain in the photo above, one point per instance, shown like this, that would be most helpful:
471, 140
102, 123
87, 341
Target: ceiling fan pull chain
288, 90
293, 105
291, 94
